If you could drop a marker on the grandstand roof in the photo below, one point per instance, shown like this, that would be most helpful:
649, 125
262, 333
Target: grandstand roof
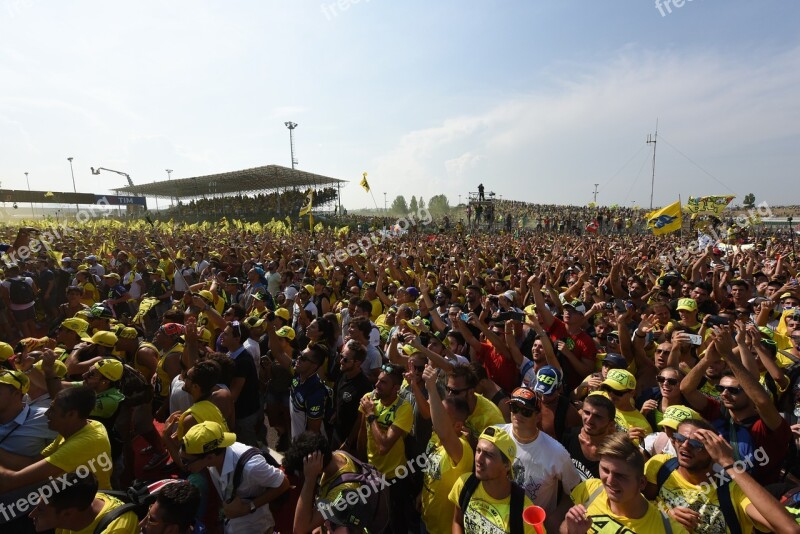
264, 178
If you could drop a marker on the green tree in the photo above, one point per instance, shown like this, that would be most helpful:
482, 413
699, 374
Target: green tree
439, 206
421, 203
399, 206
749, 201
412, 206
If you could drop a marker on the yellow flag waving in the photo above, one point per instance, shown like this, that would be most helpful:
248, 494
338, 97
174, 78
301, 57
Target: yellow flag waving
665, 220
306, 209
364, 182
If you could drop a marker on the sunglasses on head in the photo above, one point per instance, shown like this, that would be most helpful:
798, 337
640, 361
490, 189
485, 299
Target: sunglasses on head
667, 380
733, 390
516, 408
693, 443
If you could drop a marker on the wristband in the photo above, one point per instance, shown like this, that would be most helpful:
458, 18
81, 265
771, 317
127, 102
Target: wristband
726, 467
371, 418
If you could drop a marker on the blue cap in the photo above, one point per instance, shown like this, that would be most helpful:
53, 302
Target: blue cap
548, 380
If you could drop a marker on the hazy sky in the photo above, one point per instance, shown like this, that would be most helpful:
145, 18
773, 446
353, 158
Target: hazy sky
539, 100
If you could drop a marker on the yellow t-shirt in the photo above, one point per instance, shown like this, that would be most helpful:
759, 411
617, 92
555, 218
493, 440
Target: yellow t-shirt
605, 521
628, 419
486, 413
163, 379
677, 491
127, 523
88, 448
484, 513
377, 309
439, 476
400, 414
92, 296
331, 498
202, 411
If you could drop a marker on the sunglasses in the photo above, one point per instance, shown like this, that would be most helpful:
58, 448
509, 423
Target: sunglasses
667, 380
454, 391
612, 339
733, 390
662, 351
693, 443
306, 359
187, 462
515, 408
419, 368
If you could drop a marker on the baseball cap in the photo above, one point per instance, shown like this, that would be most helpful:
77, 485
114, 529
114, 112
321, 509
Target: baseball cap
206, 295
548, 380
510, 295
409, 350
576, 305
206, 437
98, 311
676, 414
620, 380
6, 351
59, 368
253, 322
283, 313
615, 361
530, 309
285, 331
309, 288
16, 379
110, 368
115, 276
413, 292
501, 440
173, 329
103, 338
687, 304
260, 295
416, 324
526, 397
126, 332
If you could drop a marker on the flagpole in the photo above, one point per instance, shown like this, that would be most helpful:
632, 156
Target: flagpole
680, 206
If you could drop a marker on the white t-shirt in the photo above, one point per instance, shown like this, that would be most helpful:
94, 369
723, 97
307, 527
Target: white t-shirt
254, 349
539, 466
179, 400
257, 477
274, 283
659, 443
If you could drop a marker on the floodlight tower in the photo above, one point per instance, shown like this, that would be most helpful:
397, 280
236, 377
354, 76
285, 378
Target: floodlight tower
291, 125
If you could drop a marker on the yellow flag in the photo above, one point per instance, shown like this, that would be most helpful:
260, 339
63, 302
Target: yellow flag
710, 205
665, 220
55, 255
364, 182
306, 209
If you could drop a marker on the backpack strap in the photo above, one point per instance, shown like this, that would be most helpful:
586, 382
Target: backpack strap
726, 506
667, 524
516, 508
665, 471
789, 355
561, 415
112, 515
593, 496
470, 485
239, 469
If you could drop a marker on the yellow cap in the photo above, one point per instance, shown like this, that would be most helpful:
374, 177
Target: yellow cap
110, 368
17, 379
59, 369
676, 414
285, 331
501, 440
206, 437
620, 380
6, 351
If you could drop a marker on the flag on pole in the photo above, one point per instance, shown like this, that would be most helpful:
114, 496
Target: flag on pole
665, 220
710, 205
364, 182
306, 209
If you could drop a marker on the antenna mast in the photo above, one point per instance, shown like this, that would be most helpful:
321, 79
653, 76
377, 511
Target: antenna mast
654, 140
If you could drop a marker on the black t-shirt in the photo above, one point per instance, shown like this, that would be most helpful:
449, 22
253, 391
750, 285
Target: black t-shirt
248, 402
586, 468
348, 396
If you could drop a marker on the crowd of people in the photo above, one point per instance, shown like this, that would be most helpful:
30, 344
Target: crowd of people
426, 383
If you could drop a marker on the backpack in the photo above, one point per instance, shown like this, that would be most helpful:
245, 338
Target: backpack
517, 502
370, 512
723, 494
137, 499
20, 291
135, 387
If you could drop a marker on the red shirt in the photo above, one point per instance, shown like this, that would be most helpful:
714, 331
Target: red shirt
584, 348
503, 371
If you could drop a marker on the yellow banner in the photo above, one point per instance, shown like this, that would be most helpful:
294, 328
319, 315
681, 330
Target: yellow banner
666, 220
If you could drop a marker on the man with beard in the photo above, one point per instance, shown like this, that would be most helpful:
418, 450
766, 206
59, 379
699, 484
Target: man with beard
541, 464
542, 353
583, 442
687, 488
